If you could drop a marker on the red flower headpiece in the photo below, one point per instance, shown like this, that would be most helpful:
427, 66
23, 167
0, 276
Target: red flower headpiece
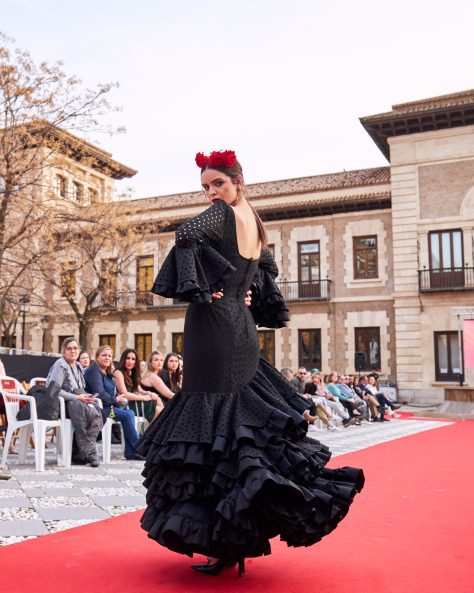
218, 158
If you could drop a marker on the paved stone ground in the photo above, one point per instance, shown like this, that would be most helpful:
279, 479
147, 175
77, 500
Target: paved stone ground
36, 503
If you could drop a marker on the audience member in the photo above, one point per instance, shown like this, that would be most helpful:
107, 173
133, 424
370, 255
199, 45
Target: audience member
323, 397
152, 382
348, 402
172, 373
100, 380
299, 380
82, 407
370, 399
127, 379
369, 384
84, 359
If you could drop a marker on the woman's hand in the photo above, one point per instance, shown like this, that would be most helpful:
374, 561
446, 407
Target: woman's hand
217, 295
119, 399
85, 398
248, 298
307, 416
147, 397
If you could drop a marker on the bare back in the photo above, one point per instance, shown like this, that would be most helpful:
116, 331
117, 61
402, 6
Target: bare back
246, 228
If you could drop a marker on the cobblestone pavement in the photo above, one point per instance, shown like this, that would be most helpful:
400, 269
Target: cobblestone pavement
36, 503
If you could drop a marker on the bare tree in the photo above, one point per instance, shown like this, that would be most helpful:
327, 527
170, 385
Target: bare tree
95, 250
39, 107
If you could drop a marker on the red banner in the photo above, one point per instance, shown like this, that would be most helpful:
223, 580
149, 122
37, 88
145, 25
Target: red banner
468, 339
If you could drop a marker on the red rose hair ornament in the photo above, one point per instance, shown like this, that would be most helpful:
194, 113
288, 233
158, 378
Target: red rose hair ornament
218, 158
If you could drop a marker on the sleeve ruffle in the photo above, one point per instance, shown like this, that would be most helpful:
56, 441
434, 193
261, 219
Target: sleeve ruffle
192, 274
268, 306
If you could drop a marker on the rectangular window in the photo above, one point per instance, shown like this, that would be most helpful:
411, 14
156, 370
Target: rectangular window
8, 342
177, 343
446, 259
61, 340
309, 348
68, 280
309, 269
447, 356
143, 345
77, 191
271, 248
367, 341
365, 257
60, 186
145, 277
108, 340
93, 195
266, 341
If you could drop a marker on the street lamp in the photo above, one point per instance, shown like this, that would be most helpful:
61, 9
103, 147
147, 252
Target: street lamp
25, 299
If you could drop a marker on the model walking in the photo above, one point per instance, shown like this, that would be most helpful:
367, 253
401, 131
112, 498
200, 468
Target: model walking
228, 464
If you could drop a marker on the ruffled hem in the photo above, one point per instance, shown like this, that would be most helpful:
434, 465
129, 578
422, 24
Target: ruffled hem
268, 306
232, 470
192, 274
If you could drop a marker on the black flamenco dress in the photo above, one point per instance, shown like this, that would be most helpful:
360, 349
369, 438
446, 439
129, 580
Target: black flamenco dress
228, 463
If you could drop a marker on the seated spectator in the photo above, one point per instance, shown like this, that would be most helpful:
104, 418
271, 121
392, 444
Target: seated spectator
347, 401
323, 397
82, 407
323, 411
361, 406
152, 382
299, 380
370, 400
369, 384
127, 379
84, 359
100, 380
172, 373
287, 373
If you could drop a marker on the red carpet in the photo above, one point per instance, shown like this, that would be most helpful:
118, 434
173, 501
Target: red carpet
410, 531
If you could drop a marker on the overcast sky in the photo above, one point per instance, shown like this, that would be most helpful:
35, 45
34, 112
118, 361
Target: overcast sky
281, 82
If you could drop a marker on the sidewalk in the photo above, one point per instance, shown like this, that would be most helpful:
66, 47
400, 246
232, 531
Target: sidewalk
36, 503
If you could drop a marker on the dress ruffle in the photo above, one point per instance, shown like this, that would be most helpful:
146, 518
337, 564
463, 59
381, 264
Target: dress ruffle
268, 306
192, 274
229, 471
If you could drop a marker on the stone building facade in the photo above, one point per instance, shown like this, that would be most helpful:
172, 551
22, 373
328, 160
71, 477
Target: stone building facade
373, 263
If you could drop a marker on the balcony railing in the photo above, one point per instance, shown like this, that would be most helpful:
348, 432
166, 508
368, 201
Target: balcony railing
306, 291
291, 291
436, 280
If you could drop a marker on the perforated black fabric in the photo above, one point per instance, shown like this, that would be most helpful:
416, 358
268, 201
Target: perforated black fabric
228, 462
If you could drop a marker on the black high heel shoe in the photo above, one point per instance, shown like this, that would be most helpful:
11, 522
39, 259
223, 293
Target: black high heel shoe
215, 568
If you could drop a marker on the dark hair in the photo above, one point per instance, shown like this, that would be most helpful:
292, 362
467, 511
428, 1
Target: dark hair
133, 378
234, 172
175, 376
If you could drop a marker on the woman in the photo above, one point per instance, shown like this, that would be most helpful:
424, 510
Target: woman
100, 380
67, 377
152, 382
127, 378
384, 402
228, 465
84, 360
371, 400
171, 373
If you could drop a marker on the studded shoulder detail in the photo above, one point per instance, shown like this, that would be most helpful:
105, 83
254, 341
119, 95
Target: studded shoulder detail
210, 225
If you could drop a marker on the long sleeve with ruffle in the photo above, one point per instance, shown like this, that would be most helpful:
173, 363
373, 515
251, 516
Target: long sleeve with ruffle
193, 269
268, 305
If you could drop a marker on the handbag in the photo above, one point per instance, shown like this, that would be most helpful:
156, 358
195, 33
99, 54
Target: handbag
47, 403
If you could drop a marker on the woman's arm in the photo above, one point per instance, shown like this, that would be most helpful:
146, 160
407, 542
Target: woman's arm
160, 386
95, 384
122, 389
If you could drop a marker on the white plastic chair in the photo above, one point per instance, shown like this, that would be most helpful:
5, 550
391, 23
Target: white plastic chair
25, 427
38, 380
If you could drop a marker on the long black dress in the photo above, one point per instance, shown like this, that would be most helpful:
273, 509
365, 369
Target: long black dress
228, 464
